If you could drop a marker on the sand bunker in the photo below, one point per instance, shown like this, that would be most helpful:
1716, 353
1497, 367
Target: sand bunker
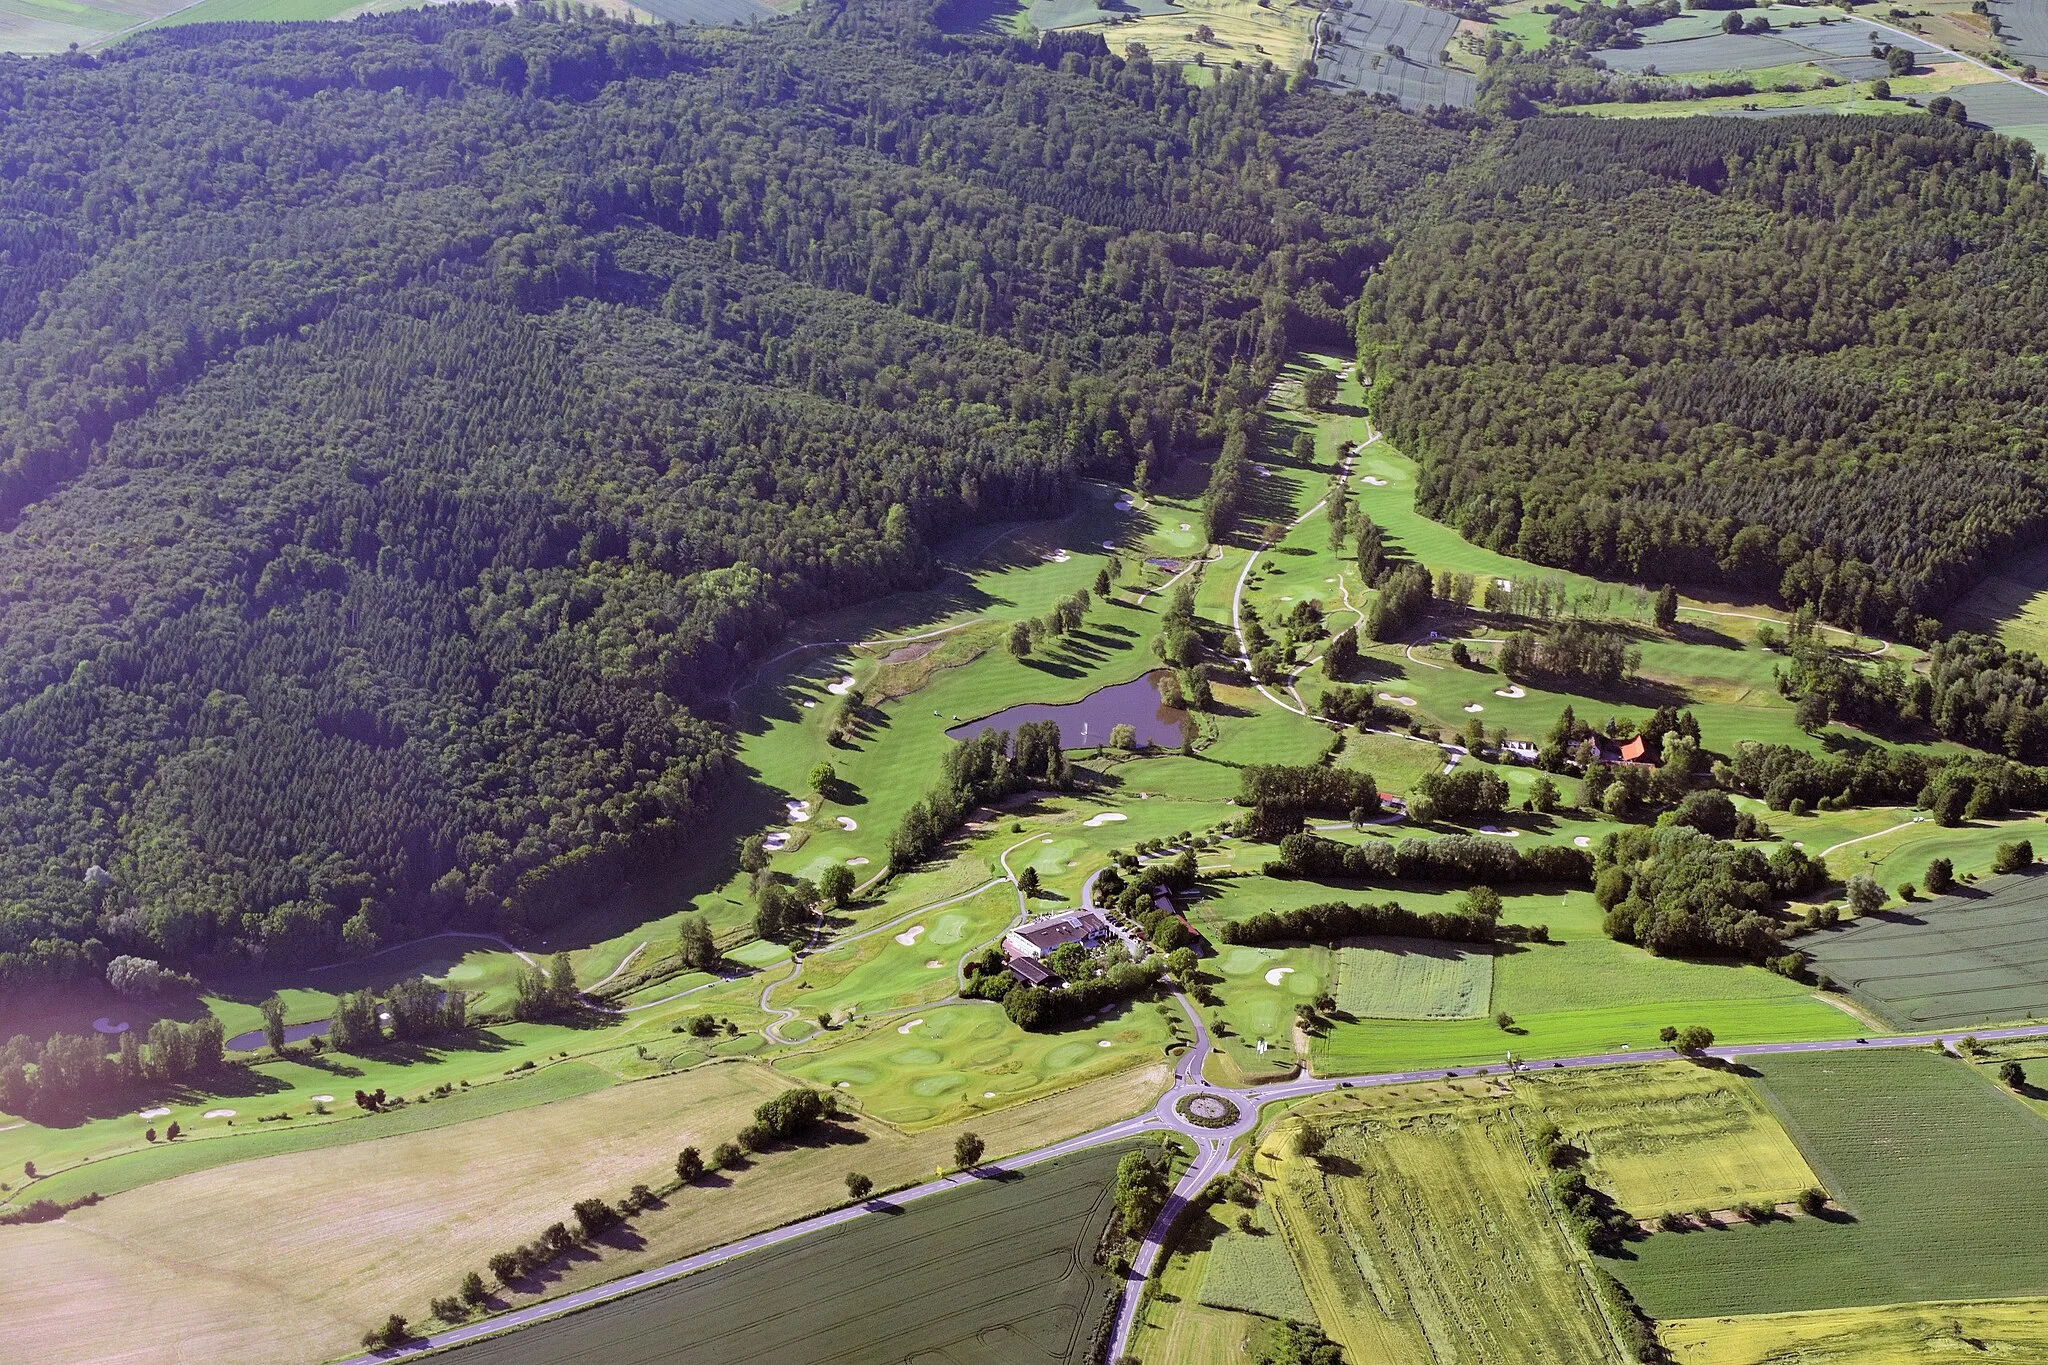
934, 963
1046, 840
1398, 701
910, 936
1186, 526
1511, 692
219, 1114
1474, 706
856, 862
799, 811
1056, 557
1109, 545
154, 1114
1503, 833
775, 842
988, 1094
1273, 977
1104, 1043
1264, 472
1329, 580
810, 706
1376, 483
842, 687
1505, 584
323, 1099
847, 823
909, 1026
1108, 817
1123, 504
106, 1025
1582, 842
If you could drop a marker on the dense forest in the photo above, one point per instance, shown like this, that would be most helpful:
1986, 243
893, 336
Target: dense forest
414, 427
1799, 358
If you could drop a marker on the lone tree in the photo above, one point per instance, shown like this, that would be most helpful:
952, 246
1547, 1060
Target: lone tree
835, 884
1020, 640
1027, 881
1694, 1039
1504, 1021
967, 1150
858, 1186
1941, 875
1667, 607
689, 1165
273, 1024
824, 778
2013, 1076
1866, 897
698, 950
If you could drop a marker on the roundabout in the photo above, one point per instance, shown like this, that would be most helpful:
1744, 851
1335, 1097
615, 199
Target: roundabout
1207, 1109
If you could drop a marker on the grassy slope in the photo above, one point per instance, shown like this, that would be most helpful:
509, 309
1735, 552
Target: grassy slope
1938, 1168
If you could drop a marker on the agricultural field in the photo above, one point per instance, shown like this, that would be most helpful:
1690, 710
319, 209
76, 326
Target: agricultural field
1174, 1327
1382, 1229
322, 1241
1937, 1169
1672, 1136
1236, 31
1413, 978
1395, 48
1975, 957
1250, 1271
1896, 1334
999, 1271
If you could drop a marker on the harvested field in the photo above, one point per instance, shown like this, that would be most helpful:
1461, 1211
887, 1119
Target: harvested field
1385, 1228
1412, 978
1896, 1334
1358, 53
999, 1271
1675, 1136
1939, 1172
1954, 962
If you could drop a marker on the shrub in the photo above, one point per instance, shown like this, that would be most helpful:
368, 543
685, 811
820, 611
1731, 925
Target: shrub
506, 1266
449, 1308
473, 1290
2013, 1075
727, 1155
2013, 856
1812, 1201
1941, 875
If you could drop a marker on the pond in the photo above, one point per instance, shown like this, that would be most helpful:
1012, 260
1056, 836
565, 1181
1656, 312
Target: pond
293, 1033
1085, 724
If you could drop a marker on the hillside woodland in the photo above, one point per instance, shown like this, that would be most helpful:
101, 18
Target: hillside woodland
413, 428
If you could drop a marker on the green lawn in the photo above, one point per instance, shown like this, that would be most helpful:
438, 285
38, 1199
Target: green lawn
1414, 978
1940, 1173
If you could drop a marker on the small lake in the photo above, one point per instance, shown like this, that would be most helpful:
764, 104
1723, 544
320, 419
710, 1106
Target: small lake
293, 1033
1085, 724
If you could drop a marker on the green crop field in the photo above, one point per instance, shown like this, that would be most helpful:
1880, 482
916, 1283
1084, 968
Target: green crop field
1413, 978
1674, 1136
1173, 1326
1959, 961
1939, 1170
1386, 1230
1000, 1271
1251, 1272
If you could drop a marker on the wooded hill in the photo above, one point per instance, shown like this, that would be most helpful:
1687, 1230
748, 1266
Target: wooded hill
414, 427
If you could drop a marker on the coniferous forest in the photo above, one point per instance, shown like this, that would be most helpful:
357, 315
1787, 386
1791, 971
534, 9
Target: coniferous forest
414, 428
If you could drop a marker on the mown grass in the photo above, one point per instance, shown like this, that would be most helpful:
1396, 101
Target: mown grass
1412, 978
1251, 1272
1674, 1136
1950, 1333
1383, 1228
1173, 1327
1939, 1170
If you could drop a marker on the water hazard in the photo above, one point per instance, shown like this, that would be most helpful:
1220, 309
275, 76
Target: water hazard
1085, 724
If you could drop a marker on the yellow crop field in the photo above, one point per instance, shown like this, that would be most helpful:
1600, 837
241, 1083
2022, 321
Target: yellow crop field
1238, 31
1428, 1236
1894, 1334
1674, 1136
291, 1257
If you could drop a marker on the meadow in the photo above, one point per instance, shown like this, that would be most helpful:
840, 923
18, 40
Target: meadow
1382, 1228
1413, 978
1937, 1169
999, 1271
1673, 1136
1250, 1271
1971, 958
1174, 1327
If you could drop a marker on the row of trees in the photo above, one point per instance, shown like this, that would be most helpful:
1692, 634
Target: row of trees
1333, 921
1462, 858
1280, 795
988, 767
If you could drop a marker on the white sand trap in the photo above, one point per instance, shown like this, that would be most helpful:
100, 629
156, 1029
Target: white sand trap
1398, 701
1505, 584
1329, 580
775, 842
799, 811
219, 1114
856, 862
1503, 833
1286, 599
1582, 841
909, 1026
842, 687
154, 1114
1056, 557
1123, 504
846, 1085
1264, 472
106, 1025
847, 823
1046, 840
1273, 977
1511, 692
1105, 1043
1375, 482
933, 964
323, 1099
1108, 817
910, 936
1185, 526
1109, 545
1474, 706
988, 1094
810, 706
